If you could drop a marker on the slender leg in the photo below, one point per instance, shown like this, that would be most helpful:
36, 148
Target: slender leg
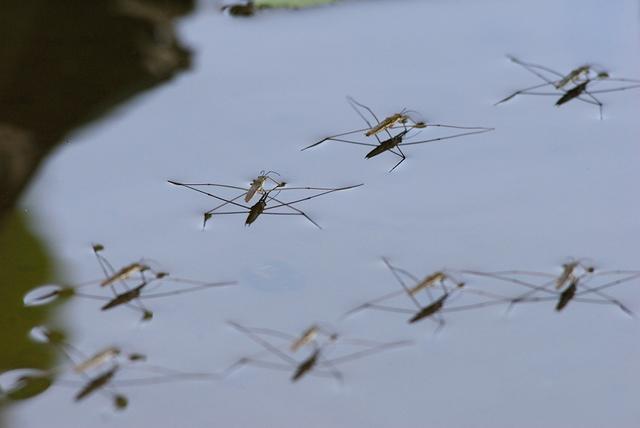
400, 161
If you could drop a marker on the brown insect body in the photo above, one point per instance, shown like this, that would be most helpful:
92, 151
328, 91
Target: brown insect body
256, 186
124, 273
307, 336
387, 123
427, 282
567, 272
97, 359
573, 76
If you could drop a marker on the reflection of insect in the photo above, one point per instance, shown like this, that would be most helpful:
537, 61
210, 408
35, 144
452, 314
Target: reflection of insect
439, 288
582, 78
98, 372
315, 363
22, 384
260, 207
393, 143
564, 288
123, 294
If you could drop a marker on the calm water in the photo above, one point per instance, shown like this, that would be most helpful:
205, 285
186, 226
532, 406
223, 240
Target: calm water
103, 103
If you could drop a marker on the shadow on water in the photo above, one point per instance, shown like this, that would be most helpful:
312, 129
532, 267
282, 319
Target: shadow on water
62, 65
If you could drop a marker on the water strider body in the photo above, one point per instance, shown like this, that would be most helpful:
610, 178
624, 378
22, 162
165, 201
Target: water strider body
428, 281
119, 284
568, 272
124, 273
306, 337
104, 356
257, 184
310, 335
573, 76
393, 120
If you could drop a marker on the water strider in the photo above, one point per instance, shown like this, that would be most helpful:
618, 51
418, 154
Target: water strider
394, 142
261, 207
102, 372
128, 286
564, 288
310, 335
582, 78
439, 280
315, 363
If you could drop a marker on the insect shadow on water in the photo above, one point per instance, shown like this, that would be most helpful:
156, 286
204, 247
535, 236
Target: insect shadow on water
101, 372
261, 206
583, 78
578, 282
128, 286
439, 287
393, 143
318, 339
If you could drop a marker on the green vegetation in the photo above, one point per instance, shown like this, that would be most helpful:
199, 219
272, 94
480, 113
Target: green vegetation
25, 265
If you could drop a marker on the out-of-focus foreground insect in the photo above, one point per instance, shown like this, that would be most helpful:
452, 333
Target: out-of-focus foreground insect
128, 286
100, 373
